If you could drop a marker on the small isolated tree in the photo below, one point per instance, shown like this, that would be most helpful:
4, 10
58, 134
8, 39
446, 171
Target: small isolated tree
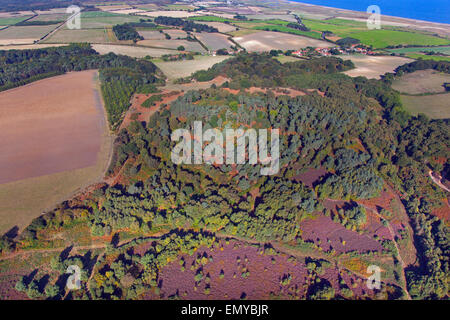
181, 48
51, 290
21, 285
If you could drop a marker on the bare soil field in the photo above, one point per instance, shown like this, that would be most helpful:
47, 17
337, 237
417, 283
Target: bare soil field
176, 33
421, 81
31, 46
24, 34
222, 27
132, 51
214, 41
172, 44
372, 67
113, 7
54, 140
267, 40
128, 11
181, 69
173, 13
434, 106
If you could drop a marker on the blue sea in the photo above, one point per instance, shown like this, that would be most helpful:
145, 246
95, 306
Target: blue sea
428, 10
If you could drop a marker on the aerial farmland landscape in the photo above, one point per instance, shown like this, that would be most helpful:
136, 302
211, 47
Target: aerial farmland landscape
224, 151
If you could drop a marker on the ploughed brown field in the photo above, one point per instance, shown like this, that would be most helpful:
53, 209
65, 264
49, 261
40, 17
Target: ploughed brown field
49, 126
54, 141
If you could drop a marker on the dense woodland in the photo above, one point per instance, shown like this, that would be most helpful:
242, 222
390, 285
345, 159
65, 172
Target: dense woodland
185, 25
356, 129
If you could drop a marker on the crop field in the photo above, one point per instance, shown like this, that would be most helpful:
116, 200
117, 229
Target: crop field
428, 57
179, 7
383, 38
435, 106
372, 67
152, 35
81, 35
266, 41
172, 44
214, 41
31, 46
12, 20
54, 141
376, 38
211, 18
24, 34
173, 14
100, 19
285, 17
443, 49
51, 17
9, 14
222, 27
421, 81
132, 51
181, 69
176, 33
113, 7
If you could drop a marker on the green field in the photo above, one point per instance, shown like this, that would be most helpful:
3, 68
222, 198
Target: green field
14, 34
210, 18
427, 57
383, 38
445, 50
340, 27
284, 29
435, 106
376, 38
12, 20
97, 19
388, 36
86, 35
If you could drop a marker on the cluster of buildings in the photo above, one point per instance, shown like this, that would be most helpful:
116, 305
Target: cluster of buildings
326, 51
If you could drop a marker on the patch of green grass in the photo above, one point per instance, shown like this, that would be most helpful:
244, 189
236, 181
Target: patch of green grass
445, 50
284, 29
383, 38
210, 18
12, 20
342, 29
376, 38
427, 57
96, 14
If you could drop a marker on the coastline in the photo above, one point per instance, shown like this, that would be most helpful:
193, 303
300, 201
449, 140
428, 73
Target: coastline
442, 29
